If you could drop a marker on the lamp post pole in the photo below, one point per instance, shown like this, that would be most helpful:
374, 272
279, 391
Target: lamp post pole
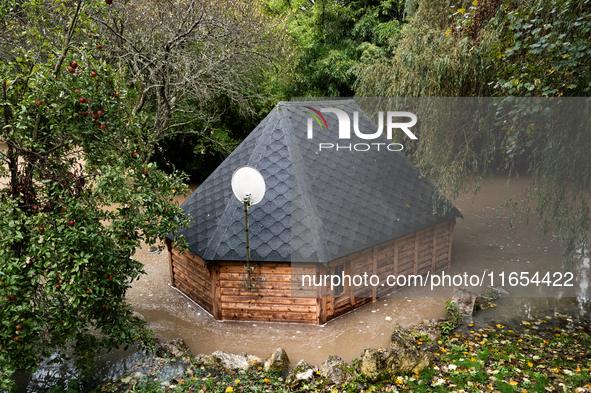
248, 268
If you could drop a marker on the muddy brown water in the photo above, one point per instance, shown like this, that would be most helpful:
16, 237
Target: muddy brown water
480, 241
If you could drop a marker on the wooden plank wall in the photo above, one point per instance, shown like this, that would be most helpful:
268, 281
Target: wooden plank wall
220, 289
416, 254
277, 299
190, 275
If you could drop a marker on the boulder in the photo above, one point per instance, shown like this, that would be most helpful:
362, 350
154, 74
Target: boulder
377, 364
427, 330
336, 370
403, 340
303, 372
172, 349
485, 299
277, 362
207, 360
234, 361
465, 301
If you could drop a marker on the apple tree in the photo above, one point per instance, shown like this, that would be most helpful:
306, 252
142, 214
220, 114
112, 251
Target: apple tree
77, 196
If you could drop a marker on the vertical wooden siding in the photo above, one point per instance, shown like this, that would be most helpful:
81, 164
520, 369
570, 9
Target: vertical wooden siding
220, 289
414, 254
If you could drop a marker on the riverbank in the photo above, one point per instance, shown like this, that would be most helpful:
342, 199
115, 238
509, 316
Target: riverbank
539, 355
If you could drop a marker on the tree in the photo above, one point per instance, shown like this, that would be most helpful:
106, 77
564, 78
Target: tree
78, 195
503, 48
333, 39
189, 64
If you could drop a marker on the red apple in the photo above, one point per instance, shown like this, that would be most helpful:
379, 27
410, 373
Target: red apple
57, 286
76, 91
99, 113
99, 47
16, 339
35, 207
38, 102
18, 327
134, 155
145, 172
93, 74
109, 2
71, 222
63, 208
81, 100
70, 70
74, 64
41, 229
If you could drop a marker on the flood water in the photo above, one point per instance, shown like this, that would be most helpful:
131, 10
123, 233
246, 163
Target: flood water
480, 241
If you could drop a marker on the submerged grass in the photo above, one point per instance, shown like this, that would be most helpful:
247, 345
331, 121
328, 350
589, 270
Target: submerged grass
549, 354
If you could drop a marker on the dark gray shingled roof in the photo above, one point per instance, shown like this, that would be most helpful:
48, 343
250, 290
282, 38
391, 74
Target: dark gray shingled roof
319, 205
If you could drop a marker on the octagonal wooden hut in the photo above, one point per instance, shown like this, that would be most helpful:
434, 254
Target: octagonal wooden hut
345, 212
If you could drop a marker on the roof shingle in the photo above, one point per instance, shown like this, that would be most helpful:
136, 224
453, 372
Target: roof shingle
319, 205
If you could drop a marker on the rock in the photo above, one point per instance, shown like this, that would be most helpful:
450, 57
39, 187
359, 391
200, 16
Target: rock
305, 375
499, 290
402, 339
207, 360
484, 300
136, 317
378, 364
427, 330
277, 362
302, 371
234, 361
336, 370
172, 349
465, 301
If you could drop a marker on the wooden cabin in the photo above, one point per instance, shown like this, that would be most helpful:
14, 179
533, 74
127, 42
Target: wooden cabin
325, 212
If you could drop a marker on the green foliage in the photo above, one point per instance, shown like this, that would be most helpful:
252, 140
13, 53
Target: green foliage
537, 48
428, 62
198, 153
454, 318
77, 200
332, 39
544, 49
